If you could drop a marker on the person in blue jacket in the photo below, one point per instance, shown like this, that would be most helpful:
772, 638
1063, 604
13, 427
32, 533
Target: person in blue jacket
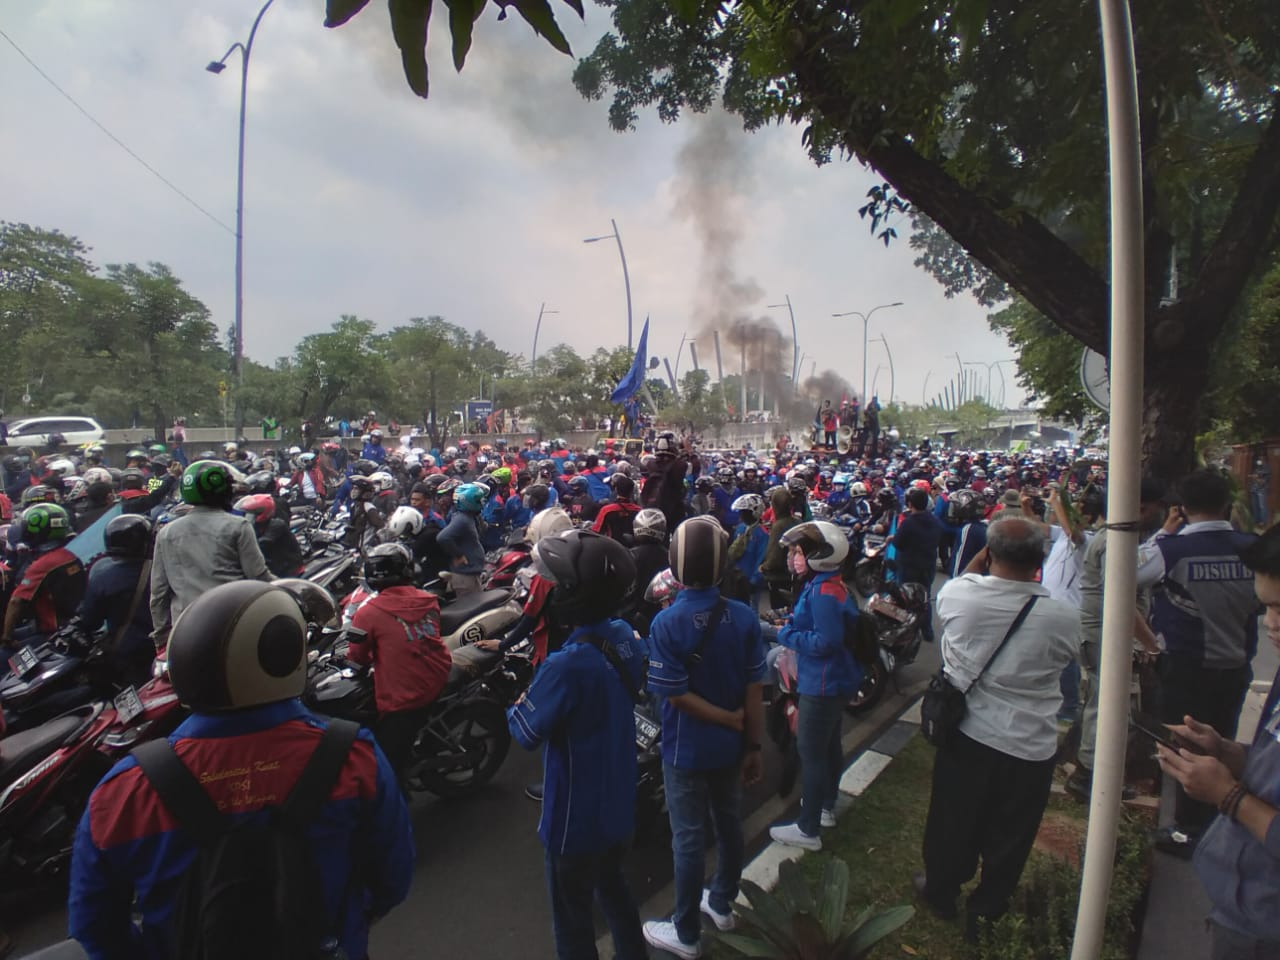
749, 543
460, 539
118, 596
373, 448
827, 674
581, 706
238, 659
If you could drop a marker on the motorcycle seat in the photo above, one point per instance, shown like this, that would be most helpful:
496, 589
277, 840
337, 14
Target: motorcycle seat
463, 609
468, 663
22, 751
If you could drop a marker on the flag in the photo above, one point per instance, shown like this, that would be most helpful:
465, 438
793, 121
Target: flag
630, 385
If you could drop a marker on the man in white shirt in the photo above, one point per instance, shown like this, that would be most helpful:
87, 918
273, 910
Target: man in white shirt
991, 781
1062, 569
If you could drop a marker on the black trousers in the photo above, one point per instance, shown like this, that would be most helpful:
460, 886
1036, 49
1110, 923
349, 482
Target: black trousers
984, 804
1210, 695
395, 735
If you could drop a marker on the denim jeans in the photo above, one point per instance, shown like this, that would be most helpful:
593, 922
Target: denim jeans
821, 758
1069, 684
572, 882
690, 794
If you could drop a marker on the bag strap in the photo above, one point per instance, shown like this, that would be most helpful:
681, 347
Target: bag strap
1013, 628
144, 581
179, 791
714, 617
615, 660
318, 776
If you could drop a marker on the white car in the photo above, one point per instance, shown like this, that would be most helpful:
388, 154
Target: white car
35, 431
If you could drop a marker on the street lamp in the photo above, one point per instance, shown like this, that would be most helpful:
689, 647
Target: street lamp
626, 277
996, 365
795, 340
884, 340
866, 318
537, 327
684, 338
215, 67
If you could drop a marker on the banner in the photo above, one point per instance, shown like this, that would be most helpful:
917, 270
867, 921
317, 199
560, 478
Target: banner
630, 385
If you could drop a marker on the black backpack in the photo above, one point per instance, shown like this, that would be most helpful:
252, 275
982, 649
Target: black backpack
253, 891
860, 639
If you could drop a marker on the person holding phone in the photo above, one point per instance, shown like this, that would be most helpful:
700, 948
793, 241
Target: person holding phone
1238, 858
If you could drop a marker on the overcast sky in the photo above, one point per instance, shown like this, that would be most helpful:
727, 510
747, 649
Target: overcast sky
361, 198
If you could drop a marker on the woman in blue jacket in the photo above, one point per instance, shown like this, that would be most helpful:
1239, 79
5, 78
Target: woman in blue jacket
827, 673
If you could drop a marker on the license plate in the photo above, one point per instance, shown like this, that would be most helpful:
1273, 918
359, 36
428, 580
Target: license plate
23, 662
127, 704
889, 609
646, 731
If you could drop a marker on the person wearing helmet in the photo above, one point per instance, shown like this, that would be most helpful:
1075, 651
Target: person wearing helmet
423, 544
827, 673
649, 553
373, 448
308, 479
581, 705
398, 632
365, 519
460, 539
515, 512
117, 597
838, 496
915, 548
137, 497
206, 547
99, 497
239, 662
664, 486
279, 546
580, 504
52, 582
707, 664
701, 503
746, 552
616, 519
775, 567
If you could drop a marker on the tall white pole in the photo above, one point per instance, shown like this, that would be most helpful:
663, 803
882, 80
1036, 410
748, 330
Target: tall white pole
626, 277
1123, 472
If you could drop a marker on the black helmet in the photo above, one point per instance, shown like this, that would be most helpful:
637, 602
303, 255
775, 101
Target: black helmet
364, 467
239, 645
388, 565
128, 536
536, 496
208, 483
703, 484
665, 445
131, 478
315, 602
579, 486
594, 576
699, 551
624, 488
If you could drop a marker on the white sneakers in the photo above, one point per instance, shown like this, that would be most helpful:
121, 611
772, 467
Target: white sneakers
828, 818
724, 921
790, 834
662, 934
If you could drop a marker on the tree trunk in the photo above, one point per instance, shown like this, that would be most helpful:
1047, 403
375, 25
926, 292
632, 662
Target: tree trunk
1171, 401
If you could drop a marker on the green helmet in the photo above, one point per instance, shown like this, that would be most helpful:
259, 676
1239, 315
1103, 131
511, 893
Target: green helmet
45, 523
156, 448
207, 483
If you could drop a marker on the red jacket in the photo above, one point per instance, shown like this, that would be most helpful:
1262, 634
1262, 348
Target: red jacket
44, 607
402, 640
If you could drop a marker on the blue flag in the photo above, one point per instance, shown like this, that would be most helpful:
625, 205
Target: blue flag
630, 385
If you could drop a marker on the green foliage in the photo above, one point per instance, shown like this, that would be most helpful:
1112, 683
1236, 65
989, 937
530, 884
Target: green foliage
699, 407
1244, 402
796, 923
410, 20
1048, 363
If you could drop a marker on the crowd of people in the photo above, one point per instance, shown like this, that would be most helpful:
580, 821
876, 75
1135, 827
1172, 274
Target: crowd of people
1020, 538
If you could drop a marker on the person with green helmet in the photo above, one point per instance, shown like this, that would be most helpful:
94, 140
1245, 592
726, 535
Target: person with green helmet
52, 582
206, 547
460, 539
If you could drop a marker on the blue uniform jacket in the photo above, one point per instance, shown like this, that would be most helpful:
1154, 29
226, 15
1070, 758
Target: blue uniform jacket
374, 451
599, 490
732, 657
749, 563
460, 538
723, 501
340, 497
107, 596
579, 707
816, 632
128, 843
515, 514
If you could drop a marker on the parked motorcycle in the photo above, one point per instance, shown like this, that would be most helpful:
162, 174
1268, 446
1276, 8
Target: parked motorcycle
897, 612
651, 791
44, 681
464, 740
782, 718
869, 574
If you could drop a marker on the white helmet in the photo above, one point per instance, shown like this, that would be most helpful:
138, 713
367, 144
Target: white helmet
382, 481
859, 489
428, 460
547, 523
752, 503
405, 522
230, 448
62, 467
97, 475
824, 544
650, 524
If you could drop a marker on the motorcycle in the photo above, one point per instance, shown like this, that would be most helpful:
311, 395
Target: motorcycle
869, 574
896, 612
651, 792
66, 671
464, 739
502, 565
782, 718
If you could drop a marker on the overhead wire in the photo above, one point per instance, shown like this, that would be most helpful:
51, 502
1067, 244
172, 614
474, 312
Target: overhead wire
114, 139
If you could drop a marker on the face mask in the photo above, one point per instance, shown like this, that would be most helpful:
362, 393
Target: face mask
799, 565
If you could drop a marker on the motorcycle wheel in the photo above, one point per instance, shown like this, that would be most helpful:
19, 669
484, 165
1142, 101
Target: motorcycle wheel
461, 750
874, 682
867, 577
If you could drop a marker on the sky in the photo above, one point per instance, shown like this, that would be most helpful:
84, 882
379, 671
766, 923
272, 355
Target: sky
472, 205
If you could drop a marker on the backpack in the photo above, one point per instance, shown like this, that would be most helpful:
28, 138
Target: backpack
860, 639
252, 892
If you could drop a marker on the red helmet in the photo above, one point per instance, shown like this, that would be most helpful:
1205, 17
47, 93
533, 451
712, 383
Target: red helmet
260, 506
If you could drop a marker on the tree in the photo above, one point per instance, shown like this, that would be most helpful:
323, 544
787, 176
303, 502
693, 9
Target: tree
1048, 364
987, 118
341, 364
699, 408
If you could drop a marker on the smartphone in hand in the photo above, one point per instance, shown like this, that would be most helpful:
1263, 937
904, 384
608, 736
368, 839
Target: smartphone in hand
1158, 732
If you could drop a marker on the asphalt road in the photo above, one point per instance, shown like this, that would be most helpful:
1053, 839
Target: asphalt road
479, 890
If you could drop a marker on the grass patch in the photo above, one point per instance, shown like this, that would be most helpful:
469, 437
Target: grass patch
880, 839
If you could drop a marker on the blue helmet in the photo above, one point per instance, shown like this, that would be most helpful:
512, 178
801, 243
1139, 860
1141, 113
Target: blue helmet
470, 497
